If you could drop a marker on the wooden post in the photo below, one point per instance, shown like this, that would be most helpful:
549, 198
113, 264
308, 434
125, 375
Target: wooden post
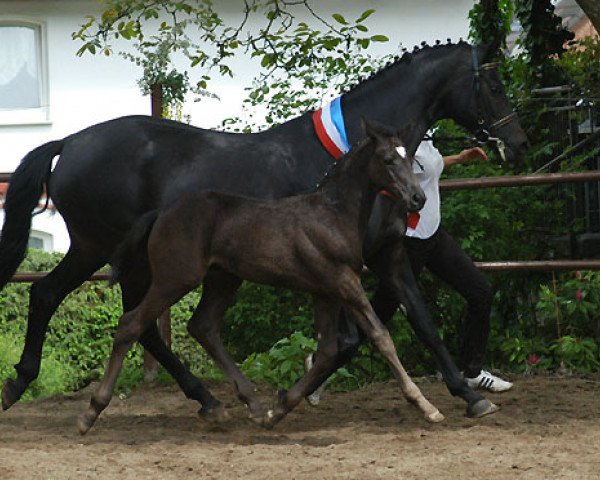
164, 322
156, 97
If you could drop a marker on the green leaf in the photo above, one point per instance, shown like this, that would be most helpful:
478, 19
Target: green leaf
366, 14
379, 38
339, 18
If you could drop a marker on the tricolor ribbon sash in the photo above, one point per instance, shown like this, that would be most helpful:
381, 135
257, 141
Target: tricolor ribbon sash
330, 128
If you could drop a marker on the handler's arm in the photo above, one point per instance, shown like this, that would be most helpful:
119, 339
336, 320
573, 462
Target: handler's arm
475, 153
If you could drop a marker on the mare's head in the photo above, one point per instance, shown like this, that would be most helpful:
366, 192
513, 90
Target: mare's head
475, 97
390, 168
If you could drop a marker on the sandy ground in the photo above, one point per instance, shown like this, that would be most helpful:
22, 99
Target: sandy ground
547, 427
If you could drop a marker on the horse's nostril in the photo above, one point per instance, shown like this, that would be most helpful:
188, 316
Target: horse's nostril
418, 199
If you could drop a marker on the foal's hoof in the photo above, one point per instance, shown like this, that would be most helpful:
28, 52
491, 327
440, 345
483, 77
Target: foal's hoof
270, 419
435, 417
481, 408
216, 414
9, 394
84, 423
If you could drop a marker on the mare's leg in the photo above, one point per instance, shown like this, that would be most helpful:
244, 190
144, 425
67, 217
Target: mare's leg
132, 325
44, 297
134, 284
205, 325
326, 326
398, 286
354, 297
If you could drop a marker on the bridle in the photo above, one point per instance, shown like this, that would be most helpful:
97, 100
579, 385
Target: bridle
483, 135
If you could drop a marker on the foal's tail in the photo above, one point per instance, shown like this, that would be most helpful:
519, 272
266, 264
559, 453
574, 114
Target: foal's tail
133, 249
27, 185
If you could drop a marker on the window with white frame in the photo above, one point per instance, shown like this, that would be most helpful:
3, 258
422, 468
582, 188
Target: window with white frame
23, 83
41, 240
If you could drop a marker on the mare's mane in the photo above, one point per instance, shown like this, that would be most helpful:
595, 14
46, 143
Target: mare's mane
418, 53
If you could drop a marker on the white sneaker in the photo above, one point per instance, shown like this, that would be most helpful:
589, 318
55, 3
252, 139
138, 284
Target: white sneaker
486, 381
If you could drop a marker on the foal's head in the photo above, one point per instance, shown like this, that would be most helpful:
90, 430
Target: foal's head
391, 168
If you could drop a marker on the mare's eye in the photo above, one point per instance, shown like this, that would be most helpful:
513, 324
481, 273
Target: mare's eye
389, 160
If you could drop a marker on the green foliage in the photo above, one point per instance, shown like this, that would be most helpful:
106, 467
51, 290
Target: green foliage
580, 64
544, 34
283, 364
490, 21
542, 41
262, 315
571, 305
317, 67
55, 375
561, 329
581, 354
268, 31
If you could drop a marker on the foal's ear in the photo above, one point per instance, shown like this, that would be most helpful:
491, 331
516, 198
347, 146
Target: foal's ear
374, 130
406, 132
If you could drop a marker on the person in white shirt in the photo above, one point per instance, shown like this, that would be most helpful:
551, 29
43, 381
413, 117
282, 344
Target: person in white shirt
429, 245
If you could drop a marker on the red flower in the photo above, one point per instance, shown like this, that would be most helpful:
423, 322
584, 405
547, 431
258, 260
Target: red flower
532, 359
578, 275
579, 295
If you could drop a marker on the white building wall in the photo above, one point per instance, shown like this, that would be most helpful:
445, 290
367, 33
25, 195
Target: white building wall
84, 91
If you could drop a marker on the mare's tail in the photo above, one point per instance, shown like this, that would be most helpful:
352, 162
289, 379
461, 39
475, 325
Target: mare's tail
132, 250
26, 187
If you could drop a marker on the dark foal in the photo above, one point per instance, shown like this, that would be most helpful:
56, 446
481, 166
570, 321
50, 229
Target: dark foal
308, 242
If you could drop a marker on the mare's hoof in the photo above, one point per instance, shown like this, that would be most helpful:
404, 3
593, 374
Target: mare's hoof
435, 417
84, 423
216, 414
481, 408
9, 396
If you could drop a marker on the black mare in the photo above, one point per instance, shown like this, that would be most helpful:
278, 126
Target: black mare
110, 174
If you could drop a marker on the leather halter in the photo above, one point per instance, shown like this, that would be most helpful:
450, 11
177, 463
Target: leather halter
483, 133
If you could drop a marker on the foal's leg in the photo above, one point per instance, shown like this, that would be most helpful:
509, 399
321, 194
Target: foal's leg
131, 327
205, 326
354, 297
134, 284
398, 286
44, 298
326, 326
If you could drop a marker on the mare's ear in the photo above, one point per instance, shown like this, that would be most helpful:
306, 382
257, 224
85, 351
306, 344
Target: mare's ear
405, 132
486, 52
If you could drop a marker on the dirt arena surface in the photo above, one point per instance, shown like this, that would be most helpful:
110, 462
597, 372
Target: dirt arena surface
547, 428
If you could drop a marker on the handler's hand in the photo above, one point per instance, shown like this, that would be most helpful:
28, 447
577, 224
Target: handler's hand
475, 153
